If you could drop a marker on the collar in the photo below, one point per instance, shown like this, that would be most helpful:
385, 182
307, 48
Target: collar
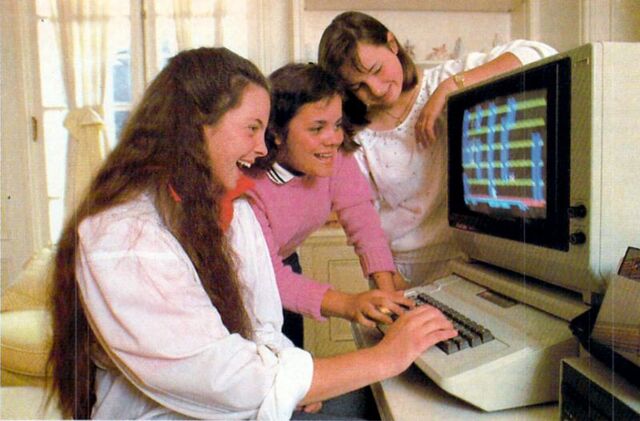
279, 174
226, 204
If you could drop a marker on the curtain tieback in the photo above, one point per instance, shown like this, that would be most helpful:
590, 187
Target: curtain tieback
80, 118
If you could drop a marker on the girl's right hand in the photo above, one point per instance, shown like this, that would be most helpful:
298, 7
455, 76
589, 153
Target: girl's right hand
413, 333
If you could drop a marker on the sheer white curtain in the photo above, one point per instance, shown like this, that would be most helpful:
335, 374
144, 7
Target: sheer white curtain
249, 27
84, 42
219, 14
182, 15
188, 14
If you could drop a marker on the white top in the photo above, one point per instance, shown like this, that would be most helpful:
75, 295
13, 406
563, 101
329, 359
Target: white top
174, 356
409, 180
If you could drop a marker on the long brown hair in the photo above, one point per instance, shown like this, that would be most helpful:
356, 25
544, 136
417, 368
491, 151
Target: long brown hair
162, 147
339, 46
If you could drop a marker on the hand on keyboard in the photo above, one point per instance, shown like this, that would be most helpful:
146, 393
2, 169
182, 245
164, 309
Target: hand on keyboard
376, 306
470, 333
416, 330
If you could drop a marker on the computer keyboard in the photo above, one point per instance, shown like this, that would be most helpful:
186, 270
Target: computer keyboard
507, 353
470, 333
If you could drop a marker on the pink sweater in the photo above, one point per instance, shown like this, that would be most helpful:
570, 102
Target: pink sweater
290, 212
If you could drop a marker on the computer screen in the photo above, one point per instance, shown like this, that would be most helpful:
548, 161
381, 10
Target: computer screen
543, 173
509, 161
504, 148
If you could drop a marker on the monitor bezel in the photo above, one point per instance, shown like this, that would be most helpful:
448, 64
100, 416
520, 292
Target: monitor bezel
552, 231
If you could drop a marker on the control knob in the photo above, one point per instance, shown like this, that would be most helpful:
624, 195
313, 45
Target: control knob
578, 211
577, 237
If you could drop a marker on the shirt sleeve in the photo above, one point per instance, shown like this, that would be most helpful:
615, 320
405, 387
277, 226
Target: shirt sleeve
298, 293
155, 321
353, 201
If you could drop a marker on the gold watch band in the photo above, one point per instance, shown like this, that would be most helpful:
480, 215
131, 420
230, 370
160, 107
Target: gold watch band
458, 79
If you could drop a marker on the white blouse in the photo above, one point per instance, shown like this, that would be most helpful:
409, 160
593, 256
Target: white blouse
174, 356
409, 180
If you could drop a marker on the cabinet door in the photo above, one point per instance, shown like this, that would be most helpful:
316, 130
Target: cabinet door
326, 257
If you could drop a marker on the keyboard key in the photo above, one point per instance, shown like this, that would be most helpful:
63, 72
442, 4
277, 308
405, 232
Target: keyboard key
472, 338
486, 335
475, 340
449, 346
461, 342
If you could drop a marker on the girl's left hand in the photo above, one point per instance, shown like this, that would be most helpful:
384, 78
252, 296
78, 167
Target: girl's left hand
376, 306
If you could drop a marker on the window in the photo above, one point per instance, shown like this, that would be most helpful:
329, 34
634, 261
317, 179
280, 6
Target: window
143, 35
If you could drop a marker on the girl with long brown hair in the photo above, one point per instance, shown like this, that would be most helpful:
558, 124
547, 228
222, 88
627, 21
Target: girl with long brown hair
165, 302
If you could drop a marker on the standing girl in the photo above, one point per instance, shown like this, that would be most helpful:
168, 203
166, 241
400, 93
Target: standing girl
401, 152
164, 301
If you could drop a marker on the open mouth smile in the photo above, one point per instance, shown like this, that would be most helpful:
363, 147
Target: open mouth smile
243, 164
324, 156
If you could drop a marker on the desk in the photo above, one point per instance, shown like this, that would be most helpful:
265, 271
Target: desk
413, 396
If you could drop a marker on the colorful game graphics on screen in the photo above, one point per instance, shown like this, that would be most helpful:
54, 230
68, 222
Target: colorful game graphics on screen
503, 153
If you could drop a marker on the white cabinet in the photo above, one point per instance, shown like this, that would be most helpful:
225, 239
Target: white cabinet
326, 257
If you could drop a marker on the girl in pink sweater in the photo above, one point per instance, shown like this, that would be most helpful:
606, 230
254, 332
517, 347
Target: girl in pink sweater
308, 174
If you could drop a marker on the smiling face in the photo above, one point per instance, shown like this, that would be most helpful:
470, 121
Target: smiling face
379, 80
237, 139
314, 136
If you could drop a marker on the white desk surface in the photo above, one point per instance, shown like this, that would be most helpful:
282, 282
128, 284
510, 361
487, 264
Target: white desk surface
413, 396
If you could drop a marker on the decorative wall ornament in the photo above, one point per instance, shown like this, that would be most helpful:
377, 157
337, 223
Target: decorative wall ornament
410, 48
438, 53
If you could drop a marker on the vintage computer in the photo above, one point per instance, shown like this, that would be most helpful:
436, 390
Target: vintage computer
544, 198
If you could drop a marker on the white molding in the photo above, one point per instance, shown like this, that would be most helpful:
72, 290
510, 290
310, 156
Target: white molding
420, 5
263, 10
297, 13
533, 15
24, 199
36, 162
596, 24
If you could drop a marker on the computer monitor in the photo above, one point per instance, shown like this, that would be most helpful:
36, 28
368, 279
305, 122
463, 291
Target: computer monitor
543, 177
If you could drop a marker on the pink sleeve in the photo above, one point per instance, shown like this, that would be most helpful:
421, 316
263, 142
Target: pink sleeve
298, 293
353, 201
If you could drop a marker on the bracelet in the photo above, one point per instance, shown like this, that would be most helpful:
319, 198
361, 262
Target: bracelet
458, 79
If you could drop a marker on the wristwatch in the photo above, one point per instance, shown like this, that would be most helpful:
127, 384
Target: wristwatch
458, 79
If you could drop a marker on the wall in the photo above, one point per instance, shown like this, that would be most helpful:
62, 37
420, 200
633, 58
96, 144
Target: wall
571, 23
614, 20
424, 29
427, 24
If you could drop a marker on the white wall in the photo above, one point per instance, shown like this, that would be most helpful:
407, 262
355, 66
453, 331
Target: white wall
566, 24
424, 29
563, 24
